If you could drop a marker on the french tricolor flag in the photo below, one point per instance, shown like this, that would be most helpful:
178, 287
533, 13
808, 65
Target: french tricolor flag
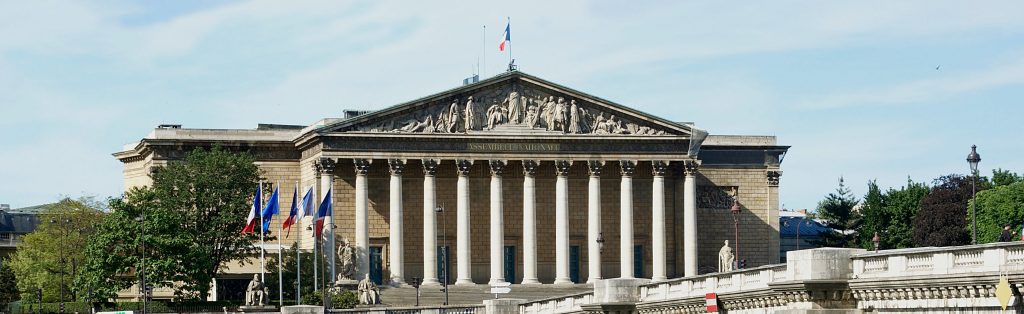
325, 210
250, 223
507, 38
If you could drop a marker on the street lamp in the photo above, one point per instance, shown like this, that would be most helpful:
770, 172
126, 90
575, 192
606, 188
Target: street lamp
444, 250
416, 284
877, 240
736, 226
142, 269
600, 242
973, 158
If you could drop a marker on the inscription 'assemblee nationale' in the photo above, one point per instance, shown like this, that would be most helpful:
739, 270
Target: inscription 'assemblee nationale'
533, 147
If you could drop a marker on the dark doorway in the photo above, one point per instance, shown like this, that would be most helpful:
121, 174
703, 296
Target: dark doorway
574, 263
376, 271
638, 261
510, 263
443, 263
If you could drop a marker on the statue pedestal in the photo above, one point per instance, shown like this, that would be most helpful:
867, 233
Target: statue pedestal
257, 308
346, 284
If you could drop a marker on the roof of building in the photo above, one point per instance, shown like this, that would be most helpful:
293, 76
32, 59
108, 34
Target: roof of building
789, 226
18, 222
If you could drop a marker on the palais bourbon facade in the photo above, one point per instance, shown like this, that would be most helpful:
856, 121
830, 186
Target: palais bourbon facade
538, 183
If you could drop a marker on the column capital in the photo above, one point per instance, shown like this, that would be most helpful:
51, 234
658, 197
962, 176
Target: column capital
396, 166
497, 167
659, 168
562, 167
628, 167
690, 167
430, 166
325, 165
530, 167
362, 165
595, 167
773, 177
464, 166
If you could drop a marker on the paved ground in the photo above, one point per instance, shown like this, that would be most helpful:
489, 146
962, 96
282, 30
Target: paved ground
474, 294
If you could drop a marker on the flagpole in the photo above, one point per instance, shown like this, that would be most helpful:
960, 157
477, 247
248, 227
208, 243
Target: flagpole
263, 266
298, 254
509, 26
483, 41
280, 261
316, 258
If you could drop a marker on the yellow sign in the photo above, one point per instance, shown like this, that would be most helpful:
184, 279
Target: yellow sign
1003, 291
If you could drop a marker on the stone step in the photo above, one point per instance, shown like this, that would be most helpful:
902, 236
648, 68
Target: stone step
474, 294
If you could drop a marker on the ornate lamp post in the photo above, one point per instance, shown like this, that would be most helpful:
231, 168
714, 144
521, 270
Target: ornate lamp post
444, 251
736, 226
973, 158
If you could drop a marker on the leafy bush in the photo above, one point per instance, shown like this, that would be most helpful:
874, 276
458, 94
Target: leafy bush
340, 300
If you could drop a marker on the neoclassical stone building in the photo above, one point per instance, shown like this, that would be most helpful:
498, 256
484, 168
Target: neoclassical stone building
538, 183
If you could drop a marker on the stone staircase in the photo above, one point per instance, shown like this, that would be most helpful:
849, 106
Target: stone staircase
474, 294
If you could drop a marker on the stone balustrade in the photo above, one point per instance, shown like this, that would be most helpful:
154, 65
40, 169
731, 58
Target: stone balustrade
698, 286
561, 304
992, 257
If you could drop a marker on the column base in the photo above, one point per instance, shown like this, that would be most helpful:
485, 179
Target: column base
530, 281
430, 282
594, 279
464, 281
563, 281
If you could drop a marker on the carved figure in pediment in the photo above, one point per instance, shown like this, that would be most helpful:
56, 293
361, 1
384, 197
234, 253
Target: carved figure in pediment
515, 107
495, 116
454, 117
575, 115
412, 125
470, 118
599, 126
439, 124
532, 116
615, 126
549, 113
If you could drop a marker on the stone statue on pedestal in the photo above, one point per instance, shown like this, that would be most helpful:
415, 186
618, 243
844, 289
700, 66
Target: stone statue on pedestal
347, 257
256, 293
368, 291
725, 258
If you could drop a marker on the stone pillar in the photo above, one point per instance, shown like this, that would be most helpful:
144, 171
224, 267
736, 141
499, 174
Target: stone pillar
594, 221
396, 256
497, 224
529, 223
773, 211
327, 184
429, 223
362, 219
628, 167
465, 275
690, 219
658, 249
562, 221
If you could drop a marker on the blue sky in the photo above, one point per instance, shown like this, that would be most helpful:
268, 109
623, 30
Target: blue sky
852, 86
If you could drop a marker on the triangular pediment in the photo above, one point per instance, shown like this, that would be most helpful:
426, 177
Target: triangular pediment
513, 103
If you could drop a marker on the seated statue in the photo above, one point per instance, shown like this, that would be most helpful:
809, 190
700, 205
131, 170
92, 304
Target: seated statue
368, 291
256, 293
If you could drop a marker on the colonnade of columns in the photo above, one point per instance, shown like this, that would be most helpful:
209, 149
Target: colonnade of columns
497, 169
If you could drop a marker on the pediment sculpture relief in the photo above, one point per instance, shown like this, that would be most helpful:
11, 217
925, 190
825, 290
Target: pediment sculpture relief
513, 109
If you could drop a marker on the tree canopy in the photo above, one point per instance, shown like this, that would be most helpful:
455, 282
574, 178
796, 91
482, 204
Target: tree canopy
998, 206
944, 215
193, 214
8, 283
55, 249
891, 215
837, 213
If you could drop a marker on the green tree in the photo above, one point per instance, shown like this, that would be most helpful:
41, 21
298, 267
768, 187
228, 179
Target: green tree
838, 214
873, 216
193, 215
54, 251
901, 206
944, 217
998, 206
1002, 177
289, 273
8, 283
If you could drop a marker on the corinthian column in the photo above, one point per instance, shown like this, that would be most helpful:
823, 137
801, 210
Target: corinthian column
594, 221
658, 220
529, 223
497, 223
429, 223
327, 184
362, 218
690, 219
396, 257
562, 221
465, 276
628, 167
